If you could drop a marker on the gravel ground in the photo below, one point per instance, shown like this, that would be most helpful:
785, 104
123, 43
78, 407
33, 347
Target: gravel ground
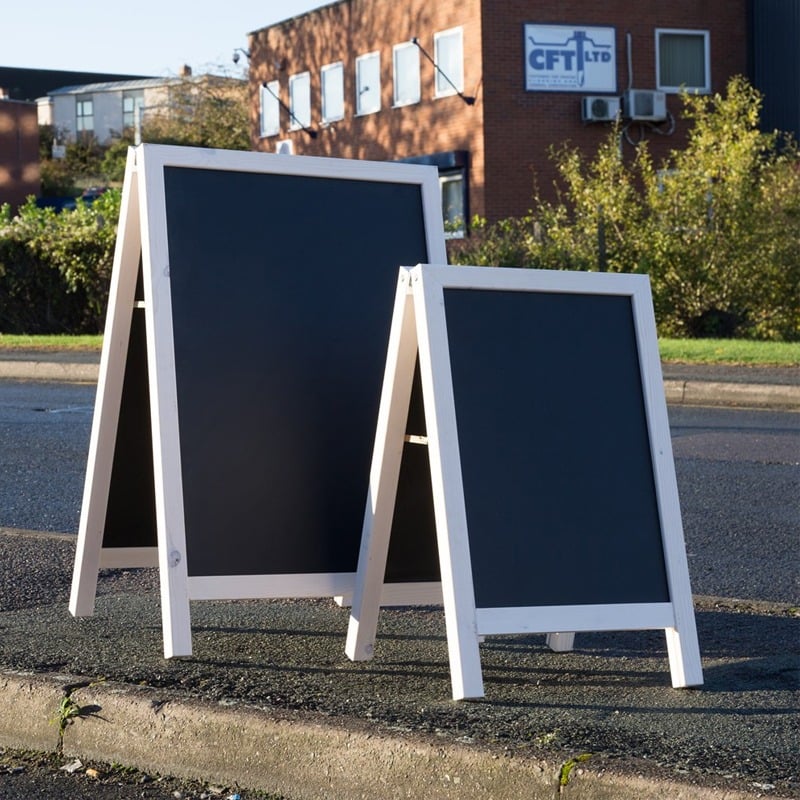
26, 774
610, 696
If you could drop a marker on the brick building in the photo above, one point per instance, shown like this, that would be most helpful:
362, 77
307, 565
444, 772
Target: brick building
483, 88
19, 152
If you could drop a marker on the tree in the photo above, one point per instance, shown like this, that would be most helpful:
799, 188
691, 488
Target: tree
204, 111
716, 226
712, 219
55, 268
201, 111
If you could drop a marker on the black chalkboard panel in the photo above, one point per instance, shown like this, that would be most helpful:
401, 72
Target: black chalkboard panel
281, 289
130, 514
558, 482
551, 466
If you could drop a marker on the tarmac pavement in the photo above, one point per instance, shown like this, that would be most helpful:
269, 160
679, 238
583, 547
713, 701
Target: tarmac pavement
269, 701
691, 384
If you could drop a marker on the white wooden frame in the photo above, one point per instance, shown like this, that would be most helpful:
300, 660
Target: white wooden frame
143, 231
419, 326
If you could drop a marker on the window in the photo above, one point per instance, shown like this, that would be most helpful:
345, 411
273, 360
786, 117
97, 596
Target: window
333, 92
453, 203
448, 50
84, 115
300, 100
682, 60
270, 109
132, 103
406, 74
368, 83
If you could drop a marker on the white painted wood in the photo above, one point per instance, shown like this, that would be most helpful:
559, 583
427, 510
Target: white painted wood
108, 399
248, 587
175, 615
448, 495
535, 280
464, 622
682, 643
413, 593
128, 557
341, 168
545, 619
147, 209
384, 475
407, 593
561, 642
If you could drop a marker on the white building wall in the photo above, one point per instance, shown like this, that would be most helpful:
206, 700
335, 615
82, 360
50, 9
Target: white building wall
64, 116
107, 115
44, 110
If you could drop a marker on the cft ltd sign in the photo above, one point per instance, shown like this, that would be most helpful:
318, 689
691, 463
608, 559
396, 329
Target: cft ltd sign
567, 58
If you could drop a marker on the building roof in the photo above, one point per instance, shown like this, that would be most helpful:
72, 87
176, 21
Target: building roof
22, 83
142, 83
112, 86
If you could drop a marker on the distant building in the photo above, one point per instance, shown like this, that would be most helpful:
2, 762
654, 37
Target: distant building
21, 83
483, 89
106, 110
19, 152
22, 110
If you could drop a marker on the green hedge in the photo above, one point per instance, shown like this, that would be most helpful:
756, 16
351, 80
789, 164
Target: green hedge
716, 226
55, 267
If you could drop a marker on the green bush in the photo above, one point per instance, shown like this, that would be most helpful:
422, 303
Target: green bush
58, 180
55, 268
716, 226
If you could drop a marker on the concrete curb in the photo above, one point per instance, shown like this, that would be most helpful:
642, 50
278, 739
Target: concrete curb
712, 393
677, 392
69, 371
292, 754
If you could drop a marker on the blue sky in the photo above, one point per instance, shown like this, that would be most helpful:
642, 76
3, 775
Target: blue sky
148, 37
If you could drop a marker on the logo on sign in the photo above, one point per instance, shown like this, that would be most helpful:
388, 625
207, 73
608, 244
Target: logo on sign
563, 59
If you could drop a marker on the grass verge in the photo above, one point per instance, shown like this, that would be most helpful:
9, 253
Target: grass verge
698, 351
10, 341
730, 351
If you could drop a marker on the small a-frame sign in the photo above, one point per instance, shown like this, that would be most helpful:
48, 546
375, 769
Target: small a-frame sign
245, 341
553, 479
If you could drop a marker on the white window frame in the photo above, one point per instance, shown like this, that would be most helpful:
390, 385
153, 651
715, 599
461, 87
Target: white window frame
454, 72
300, 100
84, 123
332, 82
269, 113
400, 60
368, 98
454, 177
132, 104
706, 36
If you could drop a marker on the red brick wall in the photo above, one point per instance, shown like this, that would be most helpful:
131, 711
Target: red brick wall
346, 30
520, 126
19, 152
508, 131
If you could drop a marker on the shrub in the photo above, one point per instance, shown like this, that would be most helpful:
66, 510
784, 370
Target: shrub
55, 268
716, 226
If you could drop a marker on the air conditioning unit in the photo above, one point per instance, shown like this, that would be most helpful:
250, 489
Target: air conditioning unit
645, 104
599, 109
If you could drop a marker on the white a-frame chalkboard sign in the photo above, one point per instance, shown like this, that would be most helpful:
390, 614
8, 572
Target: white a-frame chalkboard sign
240, 378
553, 479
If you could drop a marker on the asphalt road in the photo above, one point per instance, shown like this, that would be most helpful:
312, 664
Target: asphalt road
738, 477
739, 480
